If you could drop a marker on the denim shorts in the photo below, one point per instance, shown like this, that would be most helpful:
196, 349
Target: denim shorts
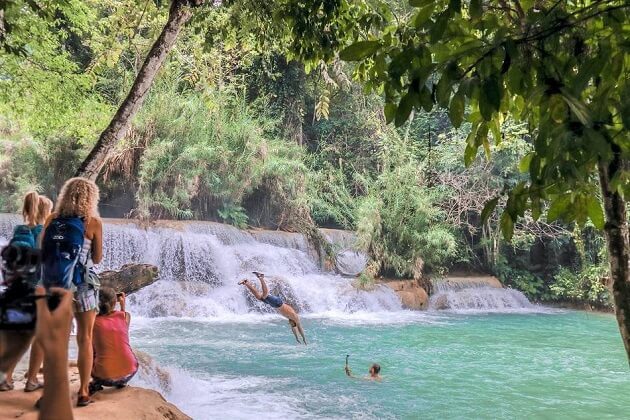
85, 298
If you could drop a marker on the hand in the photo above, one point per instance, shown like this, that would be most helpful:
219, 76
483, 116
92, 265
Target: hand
121, 298
53, 328
348, 371
242, 282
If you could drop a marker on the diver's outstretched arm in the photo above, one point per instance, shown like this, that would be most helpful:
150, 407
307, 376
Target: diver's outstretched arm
293, 329
301, 330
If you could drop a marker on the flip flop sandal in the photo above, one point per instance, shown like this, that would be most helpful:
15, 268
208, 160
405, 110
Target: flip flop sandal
242, 282
83, 401
6, 386
32, 386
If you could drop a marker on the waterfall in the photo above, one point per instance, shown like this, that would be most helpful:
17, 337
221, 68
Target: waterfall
476, 294
201, 262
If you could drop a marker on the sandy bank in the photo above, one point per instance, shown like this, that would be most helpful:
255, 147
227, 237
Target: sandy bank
126, 403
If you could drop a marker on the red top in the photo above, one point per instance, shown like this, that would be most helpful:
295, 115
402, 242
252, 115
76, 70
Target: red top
113, 358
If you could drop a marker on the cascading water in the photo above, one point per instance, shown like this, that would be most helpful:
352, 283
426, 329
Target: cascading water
200, 264
476, 295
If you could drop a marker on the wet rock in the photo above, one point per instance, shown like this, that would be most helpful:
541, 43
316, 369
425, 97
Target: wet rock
130, 278
411, 293
150, 371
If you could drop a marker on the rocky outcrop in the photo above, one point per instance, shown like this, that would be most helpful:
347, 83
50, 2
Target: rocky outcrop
411, 293
130, 278
126, 403
151, 372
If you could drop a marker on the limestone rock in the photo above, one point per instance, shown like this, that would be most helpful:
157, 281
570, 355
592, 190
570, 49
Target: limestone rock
412, 294
130, 278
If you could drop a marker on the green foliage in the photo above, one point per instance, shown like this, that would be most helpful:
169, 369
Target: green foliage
587, 285
527, 282
205, 151
560, 67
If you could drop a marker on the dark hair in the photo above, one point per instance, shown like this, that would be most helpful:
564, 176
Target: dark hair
106, 300
377, 368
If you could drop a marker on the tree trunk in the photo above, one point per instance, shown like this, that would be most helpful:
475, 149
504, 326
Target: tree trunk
616, 230
179, 14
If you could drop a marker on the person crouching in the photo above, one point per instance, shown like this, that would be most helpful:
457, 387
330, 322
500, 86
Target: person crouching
114, 361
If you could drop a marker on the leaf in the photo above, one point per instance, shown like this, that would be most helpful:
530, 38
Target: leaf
577, 107
558, 207
496, 130
488, 209
439, 27
425, 99
470, 154
404, 109
443, 91
507, 226
490, 96
523, 166
475, 9
359, 50
456, 109
424, 14
595, 212
557, 108
390, 112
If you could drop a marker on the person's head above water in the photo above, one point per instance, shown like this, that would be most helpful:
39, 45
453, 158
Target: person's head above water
375, 370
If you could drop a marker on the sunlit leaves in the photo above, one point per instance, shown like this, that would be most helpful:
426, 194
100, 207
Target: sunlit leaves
359, 50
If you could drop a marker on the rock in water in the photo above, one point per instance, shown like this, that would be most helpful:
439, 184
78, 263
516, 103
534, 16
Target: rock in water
130, 278
151, 372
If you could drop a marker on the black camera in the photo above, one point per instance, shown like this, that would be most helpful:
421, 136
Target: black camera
20, 273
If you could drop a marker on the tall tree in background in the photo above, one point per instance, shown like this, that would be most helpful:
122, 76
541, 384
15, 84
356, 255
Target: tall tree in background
561, 67
180, 12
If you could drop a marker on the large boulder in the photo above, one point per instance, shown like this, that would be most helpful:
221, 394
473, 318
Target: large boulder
130, 278
412, 295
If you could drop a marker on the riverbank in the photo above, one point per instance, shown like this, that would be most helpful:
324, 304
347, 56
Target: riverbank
127, 403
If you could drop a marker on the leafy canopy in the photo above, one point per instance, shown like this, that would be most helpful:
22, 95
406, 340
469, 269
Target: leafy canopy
559, 66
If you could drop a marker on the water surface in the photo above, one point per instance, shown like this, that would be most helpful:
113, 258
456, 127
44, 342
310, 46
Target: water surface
550, 364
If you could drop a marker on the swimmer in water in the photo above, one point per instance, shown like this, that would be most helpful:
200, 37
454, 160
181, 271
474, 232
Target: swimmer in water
374, 372
276, 302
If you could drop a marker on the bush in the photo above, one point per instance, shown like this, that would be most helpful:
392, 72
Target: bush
583, 286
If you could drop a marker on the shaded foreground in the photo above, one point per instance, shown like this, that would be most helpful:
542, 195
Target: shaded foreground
127, 403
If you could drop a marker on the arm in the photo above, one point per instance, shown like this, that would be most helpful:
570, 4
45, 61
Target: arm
40, 240
122, 299
52, 332
96, 228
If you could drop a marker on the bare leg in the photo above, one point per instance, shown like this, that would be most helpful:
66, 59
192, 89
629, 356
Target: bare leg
254, 291
85, 324
13, 344
288, 312
35, 362
265, 289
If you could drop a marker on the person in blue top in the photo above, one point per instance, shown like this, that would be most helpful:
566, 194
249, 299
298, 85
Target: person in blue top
276, 302
35, 210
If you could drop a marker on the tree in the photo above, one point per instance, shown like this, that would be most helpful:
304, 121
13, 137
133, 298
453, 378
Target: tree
559, 66
179, 14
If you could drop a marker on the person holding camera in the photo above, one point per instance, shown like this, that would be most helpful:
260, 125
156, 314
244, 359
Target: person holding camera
72, 244
35, 210
114, 361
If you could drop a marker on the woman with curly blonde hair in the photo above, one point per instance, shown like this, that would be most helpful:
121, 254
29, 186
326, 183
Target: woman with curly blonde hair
79, 199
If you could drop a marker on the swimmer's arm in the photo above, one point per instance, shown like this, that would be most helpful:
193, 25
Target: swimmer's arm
295, 334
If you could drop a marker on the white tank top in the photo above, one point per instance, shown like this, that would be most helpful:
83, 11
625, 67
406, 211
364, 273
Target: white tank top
86, 253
